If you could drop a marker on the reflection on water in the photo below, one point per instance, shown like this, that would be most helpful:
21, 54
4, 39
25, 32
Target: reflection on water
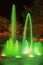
22, 61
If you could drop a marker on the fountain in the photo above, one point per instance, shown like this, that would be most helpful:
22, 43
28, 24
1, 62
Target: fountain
13, 46
8, 49
35, 48
28, 19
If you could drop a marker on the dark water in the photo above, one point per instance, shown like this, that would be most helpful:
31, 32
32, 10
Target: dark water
22, 61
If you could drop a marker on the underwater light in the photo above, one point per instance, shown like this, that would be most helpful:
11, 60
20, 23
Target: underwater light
3, 55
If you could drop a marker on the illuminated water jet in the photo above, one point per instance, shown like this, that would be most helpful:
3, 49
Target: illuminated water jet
38, 48
13, 23
26, 48
28, 21
13, 46
8, 49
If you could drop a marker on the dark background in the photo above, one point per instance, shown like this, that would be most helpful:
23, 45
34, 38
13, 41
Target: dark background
5, 6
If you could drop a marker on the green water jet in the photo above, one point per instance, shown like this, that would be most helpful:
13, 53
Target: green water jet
12, 46
28, 20
38, 48
13, 23
10, 43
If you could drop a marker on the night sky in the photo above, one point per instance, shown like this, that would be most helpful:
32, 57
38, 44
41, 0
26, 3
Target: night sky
5, 6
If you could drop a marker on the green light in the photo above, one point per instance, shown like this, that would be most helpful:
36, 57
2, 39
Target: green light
8, 47
9, 44
13, 22
38, 48
26, 49
16, 48
28, 19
